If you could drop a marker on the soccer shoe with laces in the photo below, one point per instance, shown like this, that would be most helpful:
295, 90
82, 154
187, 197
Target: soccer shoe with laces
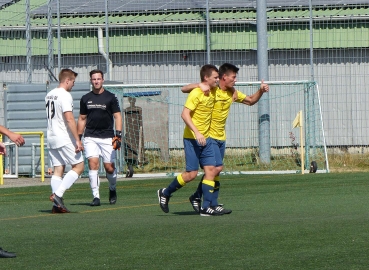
163, 200
59, 203
112, 196
196, 203
222, 210
95, 202
209, 211
6, 254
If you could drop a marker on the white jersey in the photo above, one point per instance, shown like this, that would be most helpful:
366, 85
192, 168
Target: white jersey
58, 101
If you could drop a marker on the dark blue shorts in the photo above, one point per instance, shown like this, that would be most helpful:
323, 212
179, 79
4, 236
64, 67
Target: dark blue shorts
196, 154
219, 150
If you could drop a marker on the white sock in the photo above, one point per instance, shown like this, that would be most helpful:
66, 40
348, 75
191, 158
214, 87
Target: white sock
67, 182
112, 178
94, 183
55, 183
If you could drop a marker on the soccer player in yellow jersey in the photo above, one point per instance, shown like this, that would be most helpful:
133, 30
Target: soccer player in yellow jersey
225, 94
198, 147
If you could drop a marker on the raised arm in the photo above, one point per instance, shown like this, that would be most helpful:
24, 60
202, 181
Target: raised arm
254, 98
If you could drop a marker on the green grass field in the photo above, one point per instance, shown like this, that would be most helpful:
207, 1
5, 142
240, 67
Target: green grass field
313, 221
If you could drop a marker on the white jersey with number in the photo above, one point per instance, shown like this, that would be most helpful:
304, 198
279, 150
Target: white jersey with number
58, 101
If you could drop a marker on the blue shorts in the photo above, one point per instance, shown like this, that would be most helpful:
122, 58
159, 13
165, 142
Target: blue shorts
219, 150
196, 154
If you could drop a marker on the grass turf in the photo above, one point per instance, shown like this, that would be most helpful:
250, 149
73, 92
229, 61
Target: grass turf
314, 221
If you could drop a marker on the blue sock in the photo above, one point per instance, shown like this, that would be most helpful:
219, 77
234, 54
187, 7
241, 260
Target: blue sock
207, 190
215, 202
198, 192
176, 184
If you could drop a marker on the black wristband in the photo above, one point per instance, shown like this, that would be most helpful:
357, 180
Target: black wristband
80, 136
118, 133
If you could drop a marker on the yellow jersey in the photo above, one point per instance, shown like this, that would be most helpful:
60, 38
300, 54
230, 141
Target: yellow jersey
223, 101
201, 107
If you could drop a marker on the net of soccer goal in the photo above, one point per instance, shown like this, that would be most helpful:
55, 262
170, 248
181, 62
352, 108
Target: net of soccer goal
153, 130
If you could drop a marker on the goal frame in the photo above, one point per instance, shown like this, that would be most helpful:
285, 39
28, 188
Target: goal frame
306, 84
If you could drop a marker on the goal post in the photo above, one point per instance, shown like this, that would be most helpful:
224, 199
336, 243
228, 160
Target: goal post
153, 129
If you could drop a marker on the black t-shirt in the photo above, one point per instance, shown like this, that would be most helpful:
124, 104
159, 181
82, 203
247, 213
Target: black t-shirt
99, 109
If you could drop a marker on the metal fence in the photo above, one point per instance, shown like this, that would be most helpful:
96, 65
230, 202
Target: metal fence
136, 42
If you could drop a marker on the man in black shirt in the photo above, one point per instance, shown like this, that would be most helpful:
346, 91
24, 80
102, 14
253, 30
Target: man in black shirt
99, 109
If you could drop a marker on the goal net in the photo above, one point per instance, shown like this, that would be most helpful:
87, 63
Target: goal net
153, 130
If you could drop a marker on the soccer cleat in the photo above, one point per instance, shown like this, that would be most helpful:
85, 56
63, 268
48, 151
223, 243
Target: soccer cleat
57, 210
6, 254
95, 202
163, 200
196, 203
209, 211
222, 210
112, 196
59, 203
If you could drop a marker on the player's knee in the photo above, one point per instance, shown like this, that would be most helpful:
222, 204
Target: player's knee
78, 168
93, 163
189, 176
109, 168
210, 172
192, 175
218, 169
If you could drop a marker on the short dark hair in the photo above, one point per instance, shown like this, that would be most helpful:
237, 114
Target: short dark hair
92, 72
206, 71
226, 68
67, 73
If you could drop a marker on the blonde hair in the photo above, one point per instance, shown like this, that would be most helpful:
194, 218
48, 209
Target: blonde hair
67, 73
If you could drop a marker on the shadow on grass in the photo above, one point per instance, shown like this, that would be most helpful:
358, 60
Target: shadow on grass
187, 213
50, 212
87, 204
45, 211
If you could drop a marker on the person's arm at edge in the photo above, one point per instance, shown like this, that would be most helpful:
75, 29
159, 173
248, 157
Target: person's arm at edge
14, 137
2, 149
